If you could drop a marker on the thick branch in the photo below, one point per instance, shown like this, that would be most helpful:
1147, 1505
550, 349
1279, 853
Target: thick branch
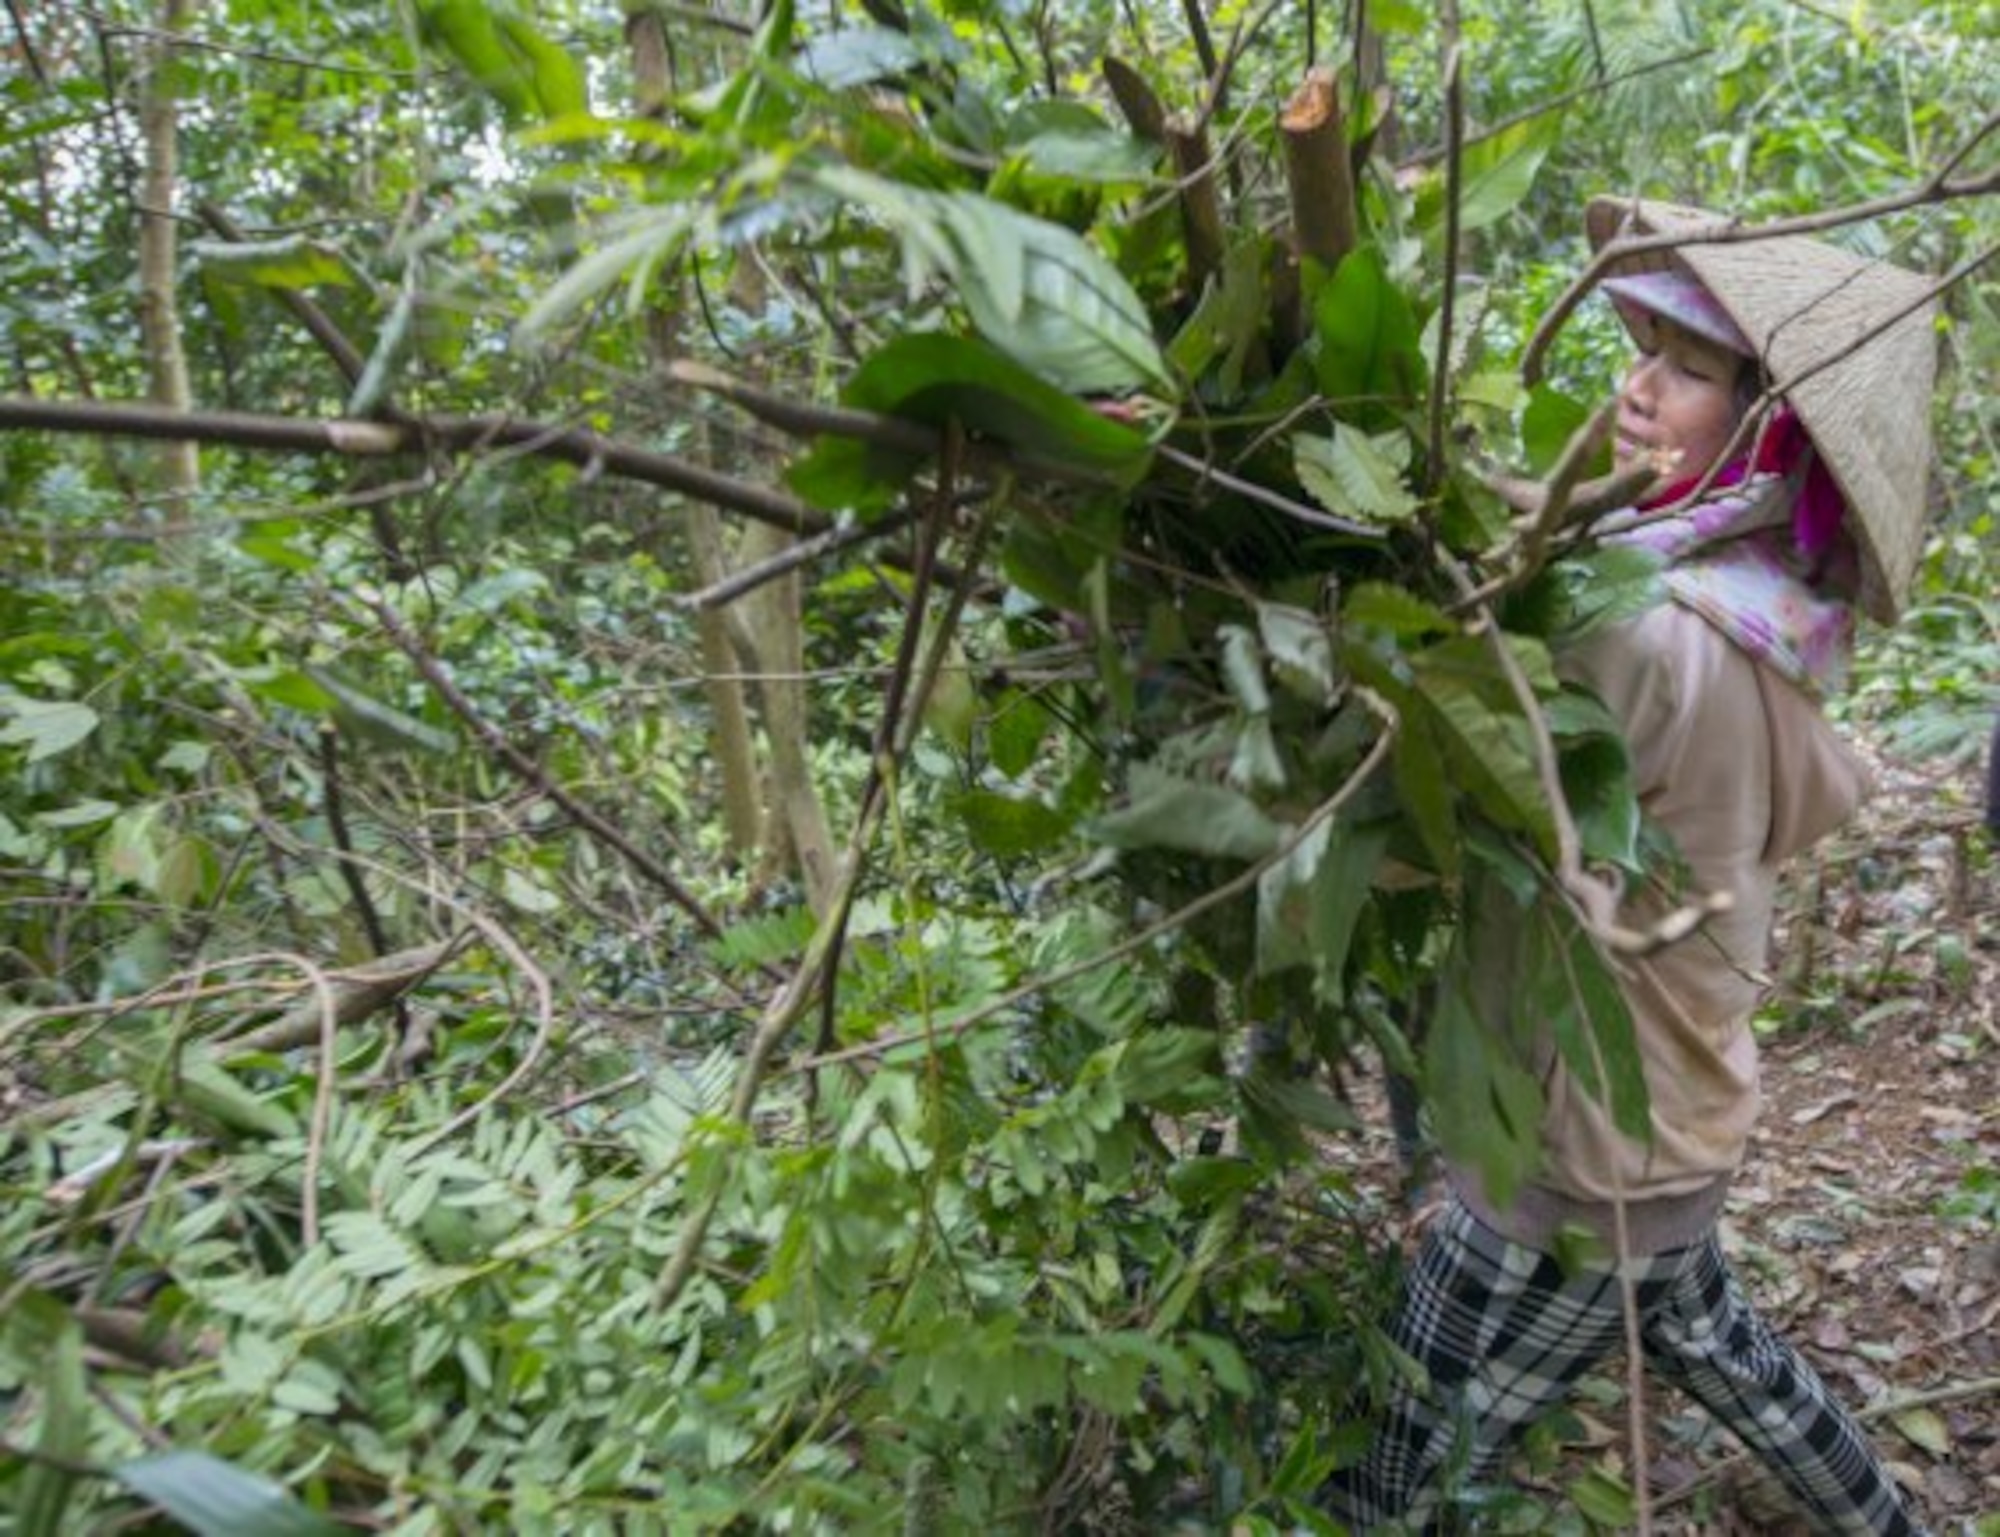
1136, 100
1201, 203
1317, 169
446, 434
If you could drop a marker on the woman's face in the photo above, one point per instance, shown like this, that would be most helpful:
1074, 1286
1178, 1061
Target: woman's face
1678, 403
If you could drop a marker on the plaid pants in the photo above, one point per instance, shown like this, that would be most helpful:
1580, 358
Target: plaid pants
1503, 1332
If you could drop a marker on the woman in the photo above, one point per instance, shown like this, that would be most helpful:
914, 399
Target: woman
1773, 536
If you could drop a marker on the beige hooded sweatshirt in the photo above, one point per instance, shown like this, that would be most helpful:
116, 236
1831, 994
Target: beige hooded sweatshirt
1742, 770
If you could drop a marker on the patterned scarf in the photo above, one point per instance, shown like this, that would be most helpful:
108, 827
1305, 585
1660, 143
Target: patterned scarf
1764, 558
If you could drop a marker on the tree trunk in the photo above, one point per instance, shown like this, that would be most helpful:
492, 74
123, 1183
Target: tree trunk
773, 627
722, 667
159, 313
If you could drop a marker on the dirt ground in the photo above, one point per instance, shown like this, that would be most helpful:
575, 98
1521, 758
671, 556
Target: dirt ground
1867, 1221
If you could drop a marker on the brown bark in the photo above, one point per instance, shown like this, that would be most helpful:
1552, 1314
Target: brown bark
772, 632
159, 312
418, 435
1201, 203
1136, 101
1317, 169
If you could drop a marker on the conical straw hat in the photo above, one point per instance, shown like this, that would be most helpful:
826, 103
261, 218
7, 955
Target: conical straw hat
1802, 302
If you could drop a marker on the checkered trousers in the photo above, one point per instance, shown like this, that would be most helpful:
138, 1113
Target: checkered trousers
1503, 1332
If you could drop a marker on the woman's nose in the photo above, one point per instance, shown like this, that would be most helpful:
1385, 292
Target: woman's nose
1638, 390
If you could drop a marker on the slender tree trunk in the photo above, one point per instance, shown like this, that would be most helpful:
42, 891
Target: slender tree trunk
775, 629
722, 667
159, 314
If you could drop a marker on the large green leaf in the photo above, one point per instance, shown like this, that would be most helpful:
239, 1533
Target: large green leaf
1036, 290
1567, 986
1010, 824
856, 55
506, 56
1486, 1107
214, 1498
1168, 812
640, 242
935, 379
291, 262
1489, 744
1496, 175
1357, 475
46, 727
49, 1331
1100, 156
1369, 340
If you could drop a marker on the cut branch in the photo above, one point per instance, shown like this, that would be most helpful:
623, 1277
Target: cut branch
436, 434
1201, 203
1317, 169
1136, 100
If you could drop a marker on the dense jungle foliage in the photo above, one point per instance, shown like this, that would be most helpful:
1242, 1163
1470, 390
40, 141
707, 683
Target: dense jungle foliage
686, 878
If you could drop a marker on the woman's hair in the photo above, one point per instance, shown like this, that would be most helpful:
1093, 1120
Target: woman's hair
1751, 382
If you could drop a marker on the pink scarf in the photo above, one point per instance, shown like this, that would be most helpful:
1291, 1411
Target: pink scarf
1765, 557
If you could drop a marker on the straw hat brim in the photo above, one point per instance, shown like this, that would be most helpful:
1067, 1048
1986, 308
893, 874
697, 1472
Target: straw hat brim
1806, 307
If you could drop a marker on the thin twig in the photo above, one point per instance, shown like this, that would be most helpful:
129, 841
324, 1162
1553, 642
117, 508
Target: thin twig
346, 357
496, 740
805, 552
110, 29
1935, 188
1207, 902
27, 45
1454, 133
1267, 497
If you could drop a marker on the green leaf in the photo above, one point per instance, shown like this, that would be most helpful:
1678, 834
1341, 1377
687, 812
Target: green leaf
1016, 728
1008, 824
1425, 789
1606, 1499
1499, 171
935, 379
1924, 1428
214, 1498
292, 262
1172, 813
1368, 337
1485, 734
376, 721
1229, 320
1488, 1108
1396, 610
856, 55
1548, 422
1100, 156
1034, 289
293, 689
1157, 1064
86, 813
1613, 582
65, 1411
1355, 475
46, 727
640, 242
1566, 984
1300, 649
